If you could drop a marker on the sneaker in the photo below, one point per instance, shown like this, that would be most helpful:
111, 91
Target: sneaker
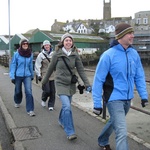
106, 147
72, 137
51, 108
17, 105
31, 113
43, 104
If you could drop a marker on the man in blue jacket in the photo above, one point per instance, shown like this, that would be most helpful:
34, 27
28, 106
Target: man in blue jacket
118, 69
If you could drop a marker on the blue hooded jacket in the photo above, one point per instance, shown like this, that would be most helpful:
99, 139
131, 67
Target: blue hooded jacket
116, 73
21, 66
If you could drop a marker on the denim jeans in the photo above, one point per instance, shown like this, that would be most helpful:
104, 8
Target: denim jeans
65, 116
117, 122
28, 92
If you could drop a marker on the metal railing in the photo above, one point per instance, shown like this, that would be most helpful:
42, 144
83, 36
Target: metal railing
4, 61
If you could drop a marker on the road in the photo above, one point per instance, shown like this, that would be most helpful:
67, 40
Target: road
50, 135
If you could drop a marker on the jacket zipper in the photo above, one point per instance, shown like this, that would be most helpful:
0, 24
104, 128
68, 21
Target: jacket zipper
24, 67
127, 74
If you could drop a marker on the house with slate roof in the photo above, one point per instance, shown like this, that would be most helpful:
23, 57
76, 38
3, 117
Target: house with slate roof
57, 26
76, 26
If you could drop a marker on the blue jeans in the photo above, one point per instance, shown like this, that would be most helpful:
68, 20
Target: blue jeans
117, 122
28, 92
65, 116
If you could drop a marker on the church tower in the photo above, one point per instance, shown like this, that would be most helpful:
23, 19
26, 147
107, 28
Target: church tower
107, 10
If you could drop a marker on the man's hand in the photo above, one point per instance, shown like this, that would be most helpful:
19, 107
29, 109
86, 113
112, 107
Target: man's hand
39, 78
97, 111
89, 89
144, 102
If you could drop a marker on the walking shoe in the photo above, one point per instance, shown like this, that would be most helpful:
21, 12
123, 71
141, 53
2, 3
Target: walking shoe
31, 113
51, 108
43, 104
106, 147
72, 137
17, 105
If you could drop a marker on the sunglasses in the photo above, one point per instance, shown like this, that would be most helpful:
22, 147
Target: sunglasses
25, 43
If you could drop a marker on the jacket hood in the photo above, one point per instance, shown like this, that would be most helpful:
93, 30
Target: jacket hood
115, 42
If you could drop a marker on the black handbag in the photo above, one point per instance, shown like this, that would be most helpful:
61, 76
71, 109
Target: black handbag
74, 78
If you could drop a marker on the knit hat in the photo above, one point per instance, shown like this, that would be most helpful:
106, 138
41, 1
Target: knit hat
122, 29
23, 41
46, 42
65, 36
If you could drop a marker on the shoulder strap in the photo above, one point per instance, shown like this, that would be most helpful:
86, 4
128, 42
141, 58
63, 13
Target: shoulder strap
67, 65
46, 56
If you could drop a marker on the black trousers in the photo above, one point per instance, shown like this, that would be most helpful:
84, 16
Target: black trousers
49, 93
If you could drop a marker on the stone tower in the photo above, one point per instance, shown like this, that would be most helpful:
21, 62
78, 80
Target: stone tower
107, 10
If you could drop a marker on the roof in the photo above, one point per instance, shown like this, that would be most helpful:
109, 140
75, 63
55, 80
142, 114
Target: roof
21, 36
143, 12
77, 36
32, 31
4, 39
47, 33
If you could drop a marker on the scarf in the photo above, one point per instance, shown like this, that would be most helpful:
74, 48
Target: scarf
24, 53
66, 52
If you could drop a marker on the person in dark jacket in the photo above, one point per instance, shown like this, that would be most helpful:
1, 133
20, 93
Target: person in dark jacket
64, 87
118, 69
41, 64
21, 71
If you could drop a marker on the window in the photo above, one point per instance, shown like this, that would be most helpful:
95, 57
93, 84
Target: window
145, 20
138, 21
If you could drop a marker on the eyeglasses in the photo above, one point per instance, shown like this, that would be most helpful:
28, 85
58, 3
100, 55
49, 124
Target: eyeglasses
25, 43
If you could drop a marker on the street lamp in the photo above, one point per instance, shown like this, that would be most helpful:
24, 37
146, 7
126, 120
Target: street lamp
9, 30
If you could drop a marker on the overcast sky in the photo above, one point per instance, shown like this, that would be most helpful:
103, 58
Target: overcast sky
32, 14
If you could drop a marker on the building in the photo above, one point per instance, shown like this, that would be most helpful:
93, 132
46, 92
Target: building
4, 45
107, 10
76, 26
142, 21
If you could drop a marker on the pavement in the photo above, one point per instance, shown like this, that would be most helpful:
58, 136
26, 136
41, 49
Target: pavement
43, 132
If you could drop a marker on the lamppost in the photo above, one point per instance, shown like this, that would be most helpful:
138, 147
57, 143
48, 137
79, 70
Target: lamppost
9, 30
